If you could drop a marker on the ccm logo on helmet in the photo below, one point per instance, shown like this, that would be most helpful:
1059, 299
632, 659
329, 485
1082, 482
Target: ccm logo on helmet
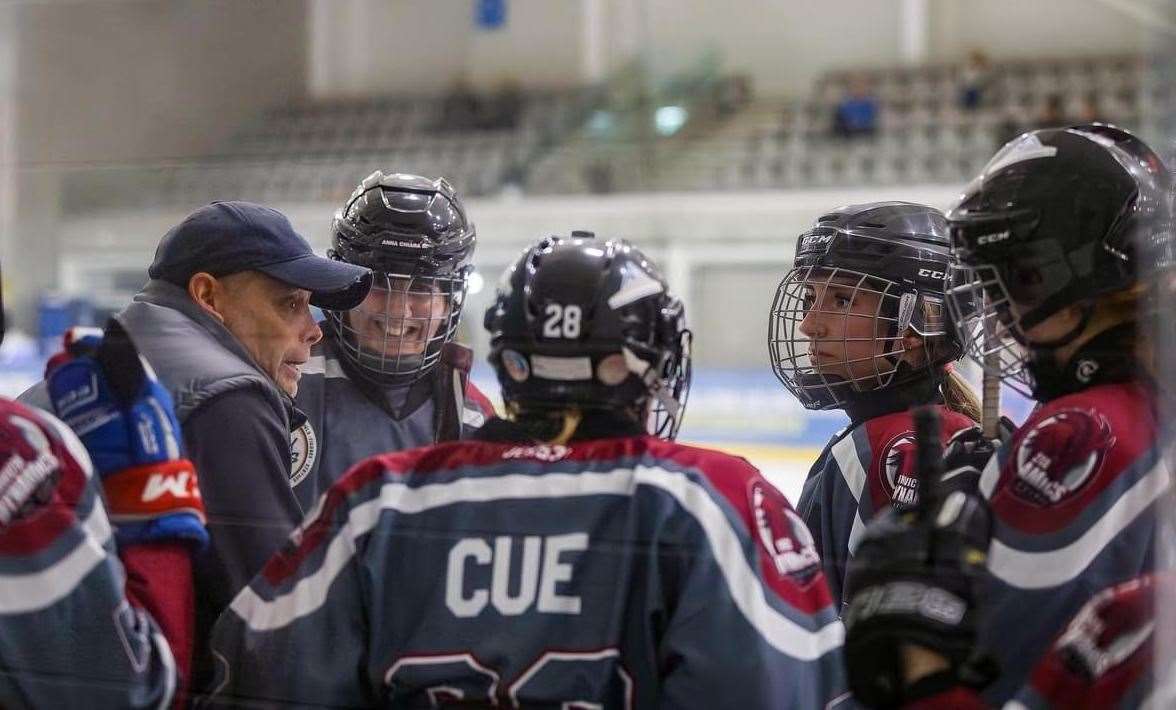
993, 238
932, 273
815, 240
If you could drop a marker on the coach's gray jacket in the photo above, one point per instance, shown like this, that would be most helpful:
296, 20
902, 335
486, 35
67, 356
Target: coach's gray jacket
236, 425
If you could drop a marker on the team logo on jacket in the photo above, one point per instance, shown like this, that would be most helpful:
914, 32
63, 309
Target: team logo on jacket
303, 452
900, 477
1059, 455
782, 534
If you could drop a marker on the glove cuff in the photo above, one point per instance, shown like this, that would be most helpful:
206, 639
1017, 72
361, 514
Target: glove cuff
145, 492
183, 528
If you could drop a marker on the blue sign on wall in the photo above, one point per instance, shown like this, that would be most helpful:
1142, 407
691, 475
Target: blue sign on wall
490, 14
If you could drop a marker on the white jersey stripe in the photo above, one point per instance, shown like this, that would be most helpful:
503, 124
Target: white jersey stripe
845, 454
1052, 568
310, 593
990, 476
29, 592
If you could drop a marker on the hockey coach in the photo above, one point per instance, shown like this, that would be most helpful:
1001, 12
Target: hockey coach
225, 320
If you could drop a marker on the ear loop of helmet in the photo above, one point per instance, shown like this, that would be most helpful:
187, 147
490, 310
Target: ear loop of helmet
905, 312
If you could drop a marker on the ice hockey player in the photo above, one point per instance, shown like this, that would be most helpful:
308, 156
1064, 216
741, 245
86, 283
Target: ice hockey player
1052, 238
859, 324
387, 375
570, 555
92, 615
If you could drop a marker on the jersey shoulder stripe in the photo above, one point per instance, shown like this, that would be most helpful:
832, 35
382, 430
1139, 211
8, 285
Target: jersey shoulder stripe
31, 591
305, 595
1055, 567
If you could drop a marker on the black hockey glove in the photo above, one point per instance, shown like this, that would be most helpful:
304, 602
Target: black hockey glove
965, 458
914, 579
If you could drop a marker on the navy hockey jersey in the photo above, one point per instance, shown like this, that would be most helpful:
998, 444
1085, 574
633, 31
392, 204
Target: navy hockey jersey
345, 424
1074, 499
862, 470
619, 572
68, 635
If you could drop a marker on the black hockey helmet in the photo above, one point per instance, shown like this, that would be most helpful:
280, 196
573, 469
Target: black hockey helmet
893, 255
591, 324
414, 234
1058, 217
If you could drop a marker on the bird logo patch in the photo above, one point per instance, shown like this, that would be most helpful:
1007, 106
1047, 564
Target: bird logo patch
900, 479
1059, 455
783, 535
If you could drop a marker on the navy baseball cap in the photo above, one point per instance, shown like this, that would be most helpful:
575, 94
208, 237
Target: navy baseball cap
224, 238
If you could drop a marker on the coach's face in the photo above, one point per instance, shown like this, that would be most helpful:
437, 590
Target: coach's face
270, 318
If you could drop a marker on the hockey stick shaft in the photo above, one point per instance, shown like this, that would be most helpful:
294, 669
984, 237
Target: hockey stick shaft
929, 453
990, 393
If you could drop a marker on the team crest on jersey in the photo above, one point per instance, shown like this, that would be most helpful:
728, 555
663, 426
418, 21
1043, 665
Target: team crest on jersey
1059, 455
27, 465
900, 477
782, 534
303, 452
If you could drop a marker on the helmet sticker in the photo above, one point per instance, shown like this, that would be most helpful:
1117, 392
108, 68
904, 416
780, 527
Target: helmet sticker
635, 285
516, 365
612, 370
568, 369
1027, 147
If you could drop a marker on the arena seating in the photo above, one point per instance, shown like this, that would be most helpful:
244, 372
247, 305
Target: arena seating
923, 135
319, 151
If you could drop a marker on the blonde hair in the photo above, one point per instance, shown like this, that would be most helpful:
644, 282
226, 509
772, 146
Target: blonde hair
959, 396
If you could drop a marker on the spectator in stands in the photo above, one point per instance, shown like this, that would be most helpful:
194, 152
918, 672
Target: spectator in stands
508, 105
975, 79
1051, 114
732, 94
1088, 109
461, 107
598, 175
857, 113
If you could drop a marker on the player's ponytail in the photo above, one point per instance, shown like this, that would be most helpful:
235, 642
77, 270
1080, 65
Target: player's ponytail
959, 396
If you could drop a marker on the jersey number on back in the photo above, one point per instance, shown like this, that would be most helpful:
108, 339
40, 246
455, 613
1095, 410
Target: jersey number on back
569, 679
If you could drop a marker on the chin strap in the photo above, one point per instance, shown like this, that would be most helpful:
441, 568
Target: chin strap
571, 422
1107, 357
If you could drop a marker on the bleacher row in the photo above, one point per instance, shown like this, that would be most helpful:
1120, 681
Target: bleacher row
319, 151
924, 134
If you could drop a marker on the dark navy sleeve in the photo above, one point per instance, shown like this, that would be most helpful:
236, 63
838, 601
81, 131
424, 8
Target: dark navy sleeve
243, 456
828, 505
